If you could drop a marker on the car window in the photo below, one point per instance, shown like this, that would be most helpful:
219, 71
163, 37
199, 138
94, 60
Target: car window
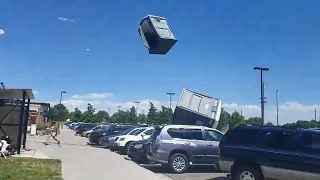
148, 132
211, 135
120, 129
176, 132
126, 131
138, 131
97, 127
242, 137
132, 132
309, 143
193, 134
277, 140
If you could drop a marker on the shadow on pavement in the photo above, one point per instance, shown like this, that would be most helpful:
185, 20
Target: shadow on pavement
54, 143
156, 168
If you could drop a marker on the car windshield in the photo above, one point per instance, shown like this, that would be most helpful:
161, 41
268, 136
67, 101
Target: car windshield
138, 131
106, 128
126, 131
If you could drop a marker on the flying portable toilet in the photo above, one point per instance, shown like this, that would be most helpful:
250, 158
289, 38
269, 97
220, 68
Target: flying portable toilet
156, 34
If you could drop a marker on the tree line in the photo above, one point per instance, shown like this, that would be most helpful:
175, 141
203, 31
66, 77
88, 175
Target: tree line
155, 116
158, 116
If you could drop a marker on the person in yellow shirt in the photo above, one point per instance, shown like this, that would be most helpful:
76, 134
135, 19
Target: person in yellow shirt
52, 132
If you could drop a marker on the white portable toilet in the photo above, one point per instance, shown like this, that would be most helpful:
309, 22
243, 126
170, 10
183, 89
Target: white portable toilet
156, 34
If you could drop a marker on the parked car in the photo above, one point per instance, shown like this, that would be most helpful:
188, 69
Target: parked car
108, 141
84, 127
181, 146
96, 137
87, 132
264, 152
138, 151
123, 142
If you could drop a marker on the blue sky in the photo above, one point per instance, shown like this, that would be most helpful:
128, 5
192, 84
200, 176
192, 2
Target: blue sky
220, 42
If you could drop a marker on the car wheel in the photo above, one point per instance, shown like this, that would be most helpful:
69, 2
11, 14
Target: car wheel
243, 172
178, 163
100, 143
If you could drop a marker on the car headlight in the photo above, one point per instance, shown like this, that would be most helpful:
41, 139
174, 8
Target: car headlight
122, 139
104, 134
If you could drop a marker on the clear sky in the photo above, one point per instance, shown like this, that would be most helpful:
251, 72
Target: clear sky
92, 50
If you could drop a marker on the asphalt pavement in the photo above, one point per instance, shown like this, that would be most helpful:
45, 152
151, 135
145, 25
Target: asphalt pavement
82, 161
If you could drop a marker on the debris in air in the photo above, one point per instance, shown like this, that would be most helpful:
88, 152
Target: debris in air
156, 34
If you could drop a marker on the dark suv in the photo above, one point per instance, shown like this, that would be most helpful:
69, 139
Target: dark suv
254, 152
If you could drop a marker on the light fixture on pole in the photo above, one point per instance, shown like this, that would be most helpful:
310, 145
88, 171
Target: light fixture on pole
62, 92
119, 108
170, 94
137, 102
277, 107
261, 69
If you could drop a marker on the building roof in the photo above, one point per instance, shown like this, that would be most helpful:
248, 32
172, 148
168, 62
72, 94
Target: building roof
16, 93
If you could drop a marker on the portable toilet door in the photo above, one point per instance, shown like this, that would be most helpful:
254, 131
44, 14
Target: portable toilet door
156, 34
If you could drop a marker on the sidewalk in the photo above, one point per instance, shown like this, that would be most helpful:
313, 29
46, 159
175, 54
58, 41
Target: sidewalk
81, 161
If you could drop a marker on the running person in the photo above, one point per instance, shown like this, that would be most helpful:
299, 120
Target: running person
53, 132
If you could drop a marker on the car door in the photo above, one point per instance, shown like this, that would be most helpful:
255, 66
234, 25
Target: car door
279, 155
308, 164
212, 139
195, 145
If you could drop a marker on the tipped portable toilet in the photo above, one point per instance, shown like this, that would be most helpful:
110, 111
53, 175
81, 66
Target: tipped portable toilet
156, 34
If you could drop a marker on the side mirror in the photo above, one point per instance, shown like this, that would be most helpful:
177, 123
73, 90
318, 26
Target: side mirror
143, 135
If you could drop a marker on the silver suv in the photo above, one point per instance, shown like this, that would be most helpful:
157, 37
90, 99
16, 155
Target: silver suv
181, 146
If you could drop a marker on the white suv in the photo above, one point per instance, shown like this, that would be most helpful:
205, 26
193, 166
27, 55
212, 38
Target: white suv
123, 142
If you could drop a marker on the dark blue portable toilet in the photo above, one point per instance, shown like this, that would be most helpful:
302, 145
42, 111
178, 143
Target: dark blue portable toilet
156, 34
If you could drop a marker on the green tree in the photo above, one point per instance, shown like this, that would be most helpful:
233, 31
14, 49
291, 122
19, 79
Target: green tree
88, 115
225, 118
101, 116
236, 119
142, 119
152, 114
76, 115
254, 121
59, 112
269, 124
164, 116
133, 115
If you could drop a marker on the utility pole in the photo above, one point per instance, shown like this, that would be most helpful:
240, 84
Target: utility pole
137, 102
171, 94
277, 107
261, 69
315, 114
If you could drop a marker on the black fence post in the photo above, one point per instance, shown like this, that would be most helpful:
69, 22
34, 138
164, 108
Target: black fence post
23, 102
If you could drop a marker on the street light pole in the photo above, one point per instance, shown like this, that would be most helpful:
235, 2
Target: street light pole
109, 111
62, 92
119, 108
170, 94
277, 107
261, 69
137, 102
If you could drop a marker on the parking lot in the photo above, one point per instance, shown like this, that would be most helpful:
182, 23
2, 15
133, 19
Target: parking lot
83, 161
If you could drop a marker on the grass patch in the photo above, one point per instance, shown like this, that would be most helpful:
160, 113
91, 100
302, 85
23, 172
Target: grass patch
30, 169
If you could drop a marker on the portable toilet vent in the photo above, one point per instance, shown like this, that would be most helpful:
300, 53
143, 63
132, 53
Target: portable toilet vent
156, 34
